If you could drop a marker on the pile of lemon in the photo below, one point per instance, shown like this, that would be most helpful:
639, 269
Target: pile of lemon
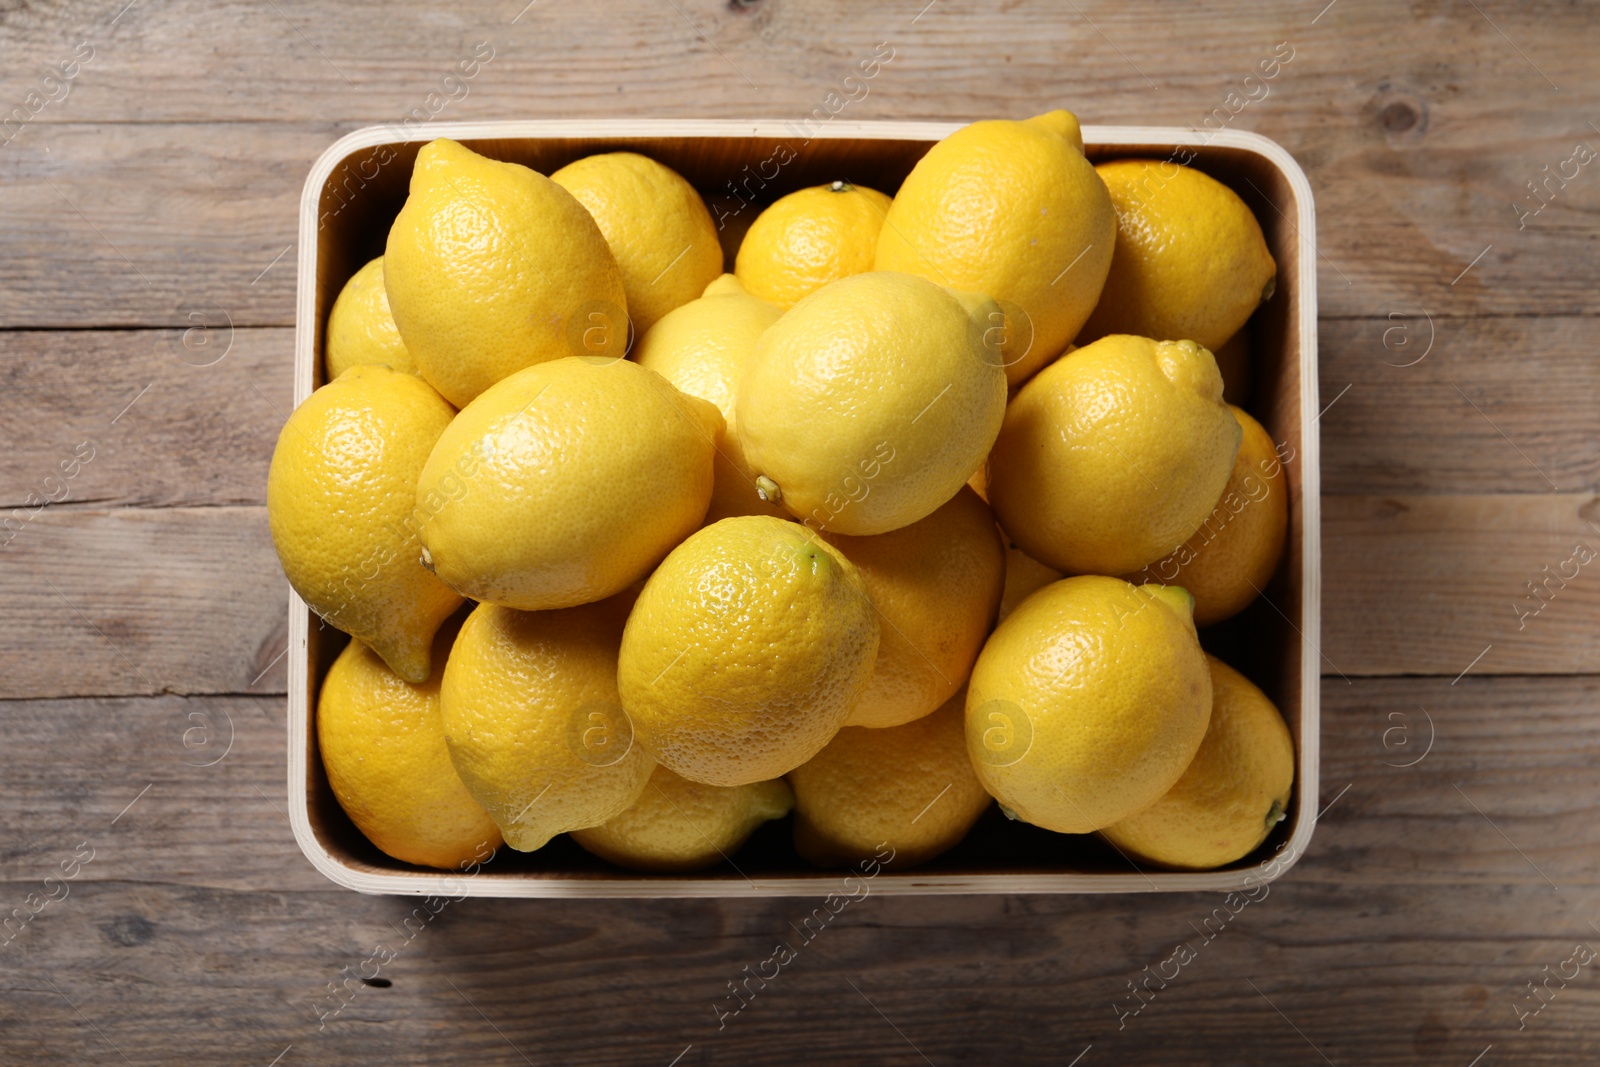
736, 545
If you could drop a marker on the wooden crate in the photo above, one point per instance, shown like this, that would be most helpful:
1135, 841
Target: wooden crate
354, 192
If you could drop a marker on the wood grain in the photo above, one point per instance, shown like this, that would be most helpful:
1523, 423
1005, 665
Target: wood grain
160, 220
143, 601
1499, 769
171, 417
161, 195
216, 768
202, 433
165, 789
154, 941
309, 60
242, 977
1425, 584
172, 226
191, 600
1419, 142
1443, 405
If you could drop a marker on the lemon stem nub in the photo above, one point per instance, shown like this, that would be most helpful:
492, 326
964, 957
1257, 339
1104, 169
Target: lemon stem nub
1277, 814
840, 187
767, 489
427, 558
1175, 597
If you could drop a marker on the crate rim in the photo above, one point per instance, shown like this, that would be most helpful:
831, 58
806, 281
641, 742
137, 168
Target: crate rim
907, 883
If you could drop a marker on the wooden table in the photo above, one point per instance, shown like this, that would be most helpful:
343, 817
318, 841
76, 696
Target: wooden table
148, 213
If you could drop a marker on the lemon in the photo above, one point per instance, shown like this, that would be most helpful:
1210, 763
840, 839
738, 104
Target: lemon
1014, 210
565, 483
678, 825
657, 226
360, 328
1234, 361
702, 348
491, 267
1191, 262
1230, 559
1024, 577
810, 238
382, 744
1112, 457
936, 585
533, 722
1088, 702
746, 651
1234, 792
911, 787
339, 493
870, 402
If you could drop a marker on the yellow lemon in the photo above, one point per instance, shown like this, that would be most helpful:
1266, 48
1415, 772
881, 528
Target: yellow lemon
746, 651
339, 493
870, 402
360, 328
1191, 261
533, 722
1233, 555
1234, 792
702, 348
1110, 458
1014, 210
678, 825
936, 585
1088, 702
911, 787
810, 238
382, 744
656, 224
1235, 362
491, 267
1024, 577
565, 483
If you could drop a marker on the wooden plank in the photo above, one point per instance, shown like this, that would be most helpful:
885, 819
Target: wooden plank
191, 600
1418, 156
161, 220
184, 790
167, 183
1488, 780
308, 60
1523, 750
1440, 584
958, 981
176, 226
1410, 912
161, 423
1415, 404
143, 601
1466, 418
